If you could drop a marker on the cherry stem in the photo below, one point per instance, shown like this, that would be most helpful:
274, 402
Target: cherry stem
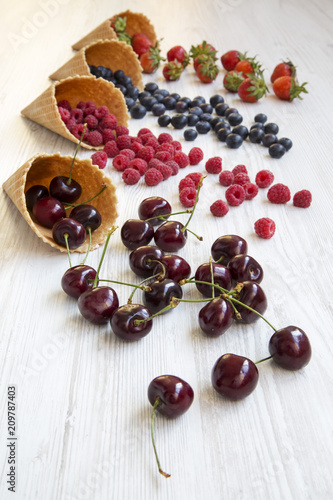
165, 216
157, 402
66, 236
160, 276
195, 203
72, 205
89, 246
200, 238
250, 309
129, 301
142, 287
264, 359
112, 230
173, 303
212, 276
76, 150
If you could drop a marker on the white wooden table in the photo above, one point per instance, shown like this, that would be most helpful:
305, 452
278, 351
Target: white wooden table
82, 413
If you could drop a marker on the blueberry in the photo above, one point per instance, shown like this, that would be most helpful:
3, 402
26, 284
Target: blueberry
181, 107
222, 134
276, 150
271, 128
143, 94
129, 102
108, 75
220, 125
196, 110
287, 143
159, 97
216, 99
185, 99
241, 130
256, 135
164, 92
158, 109
133, 91
257, 125
151, 87
148, 102
215, 121
190, 134
206, 117
119, 74
192, 119
125, 80
138, 111
235, 119
206, 107
221, 108
175, 96
200, 99
269, 139
122, 88
179, 121
260, 118
169, 102
164, 120
234, 141
229, 111
203, 127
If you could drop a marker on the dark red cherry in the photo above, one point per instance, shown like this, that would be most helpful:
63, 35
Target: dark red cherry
222, 277
234, 377
87, 215
226, 247
34, 194
136, 233
174, 395
253, 296
176, 268
65, 189
243, 267
123, 322
152, 207
98, 304
161, 294
48, 211
170, 236
216, 317
77, 280
74, 230
142, 260
290, 348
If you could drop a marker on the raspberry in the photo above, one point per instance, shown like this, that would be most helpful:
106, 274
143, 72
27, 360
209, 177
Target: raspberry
145, 137
153, 177
64, 114
165, 170
186, 182
214, 165
89, 108
241, 179
71, 124
302, 199
264, 178
108, 135
99, 158
91, 121
136, 146
95, 138
64, 104
235, 195
182, 159
123, 142
251, 190
163, 156
131, 176
129, 153
144, 131
219, 208
265, 227
195, 156
82, 105
77, 114
109, 121
279, 193
77, 131
174, 166
164, 137
136, 139
238, 169
120, 129
101, 112
146, 153
138, 164
187, 196
111, 149
226, 178
176, 145
166, 146
196, 177
120, 162
153, 163
152, 141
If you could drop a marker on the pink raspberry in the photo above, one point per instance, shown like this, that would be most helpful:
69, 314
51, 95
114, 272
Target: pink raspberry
136, 139
265, 228
174, 166
71, 123
129, 153
302, 199
77, 131
166, 146
235, 195
176, 145
95, 138
136, 146
196, 177
164, 137
100, 159
186, 182
146, 153
120, 162
138, 164
153, 177
226, 178
241, 179
101, 112
214, 165
64, 104
108, 135
152, 141
111, 149
91, 121
219, 208
109, 121
131, 176
146, 137
89, 108
165, 170
144, 131
154, 162
264, 178
239, 169
279, 193
64, 114
163, 156
187, 196
182, 159
77, 114
123, 142
120, 129
195, 156
82, 105
251, 190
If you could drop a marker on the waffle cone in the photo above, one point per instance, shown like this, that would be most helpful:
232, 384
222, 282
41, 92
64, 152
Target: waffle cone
136, 23
40, 169
111, 54
44, 109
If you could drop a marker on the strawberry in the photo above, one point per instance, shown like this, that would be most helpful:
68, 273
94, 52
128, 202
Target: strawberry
151, 59
207, 71
252, 89
285, 68
230, 59
232, 80
248, 66
178, 53
203, 49
172, 70
140, 43
202, 59
287, 88
118, 24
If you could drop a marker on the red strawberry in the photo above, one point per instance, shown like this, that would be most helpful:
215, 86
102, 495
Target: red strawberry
207, 71
203, 48
287, 88
172, 70
285, 68
151, 59
252, 89
178, 53
140, 43
230, 59
232, 80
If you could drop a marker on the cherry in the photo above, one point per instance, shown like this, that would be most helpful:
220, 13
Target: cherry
142, 260
151, 207
65, 189
98, 304
290, 348
47, 211
216, 317
34, 194
171, 236
160, 295
226, 247
123, 322
136, 232
70, 230
253, 296
243, 267
87, 215
77, 280
175, 267
234, 377
221, 274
